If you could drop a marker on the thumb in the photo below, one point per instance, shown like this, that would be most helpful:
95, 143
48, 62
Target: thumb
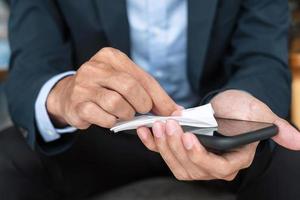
178, 110
288, 136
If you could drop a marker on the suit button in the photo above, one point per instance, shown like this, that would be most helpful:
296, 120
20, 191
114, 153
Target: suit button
24, 132
50, 132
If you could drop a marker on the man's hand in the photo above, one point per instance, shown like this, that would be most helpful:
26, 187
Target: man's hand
189, 160
106, 88
236, 104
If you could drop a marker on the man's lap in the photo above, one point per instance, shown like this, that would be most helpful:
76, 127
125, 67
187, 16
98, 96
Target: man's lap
104, 160
96, 162
279, 180
22, 173
100, 161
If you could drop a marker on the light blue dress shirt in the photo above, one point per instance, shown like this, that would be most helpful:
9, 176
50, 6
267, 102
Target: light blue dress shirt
158, 34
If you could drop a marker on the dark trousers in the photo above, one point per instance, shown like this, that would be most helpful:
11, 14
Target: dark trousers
99, 161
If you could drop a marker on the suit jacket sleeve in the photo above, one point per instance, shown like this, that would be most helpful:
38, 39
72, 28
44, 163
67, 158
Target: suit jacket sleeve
40, 50
258, 57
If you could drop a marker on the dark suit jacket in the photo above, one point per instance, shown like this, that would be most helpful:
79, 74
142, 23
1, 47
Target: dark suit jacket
239, 44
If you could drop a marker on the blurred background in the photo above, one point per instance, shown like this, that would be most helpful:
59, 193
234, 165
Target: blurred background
294, 59
4, 50
4, 58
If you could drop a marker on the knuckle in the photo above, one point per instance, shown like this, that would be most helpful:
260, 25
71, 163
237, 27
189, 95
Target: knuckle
113, 101
147, 105
223, 172
181, 176
78, 123
84, 110
101, 67
230, 178
82, 126
87, 66
226, 171
218, 175
73, 96
108, 51
194, 176
109, 123
90, 68
129, 84
78, 78
84, 73
129, 114
175, 148
76, 89
248, 163
151, 147
80, 91
196, 159
248, 159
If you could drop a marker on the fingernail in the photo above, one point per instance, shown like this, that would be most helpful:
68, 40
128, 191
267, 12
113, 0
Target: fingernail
142, 133
176, 113
157, 129
188, 142
171, 127
180, 107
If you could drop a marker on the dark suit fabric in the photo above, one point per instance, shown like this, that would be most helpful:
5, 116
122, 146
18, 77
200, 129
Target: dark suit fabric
99, 161
231, 44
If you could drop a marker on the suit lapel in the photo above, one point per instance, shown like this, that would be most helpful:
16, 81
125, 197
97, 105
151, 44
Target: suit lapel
113, 15
200, 19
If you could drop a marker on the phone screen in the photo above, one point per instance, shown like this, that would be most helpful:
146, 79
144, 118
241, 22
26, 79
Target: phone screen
229, 127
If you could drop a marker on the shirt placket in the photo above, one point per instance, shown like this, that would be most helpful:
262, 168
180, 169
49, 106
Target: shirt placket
157, 38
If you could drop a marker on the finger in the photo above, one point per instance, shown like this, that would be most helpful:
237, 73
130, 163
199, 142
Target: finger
76, 121
163, 148
131, 90
241, 158
92, 113
174, 135
147, 139
162, 103
114, 104
178, 111
198, 157
231, 177
215, 165
288, 136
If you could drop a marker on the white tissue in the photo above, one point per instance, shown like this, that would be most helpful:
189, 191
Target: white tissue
201, 116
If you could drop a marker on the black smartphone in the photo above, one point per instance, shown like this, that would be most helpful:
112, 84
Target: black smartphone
231, 134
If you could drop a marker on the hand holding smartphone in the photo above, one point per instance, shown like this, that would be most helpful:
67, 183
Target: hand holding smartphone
232, 134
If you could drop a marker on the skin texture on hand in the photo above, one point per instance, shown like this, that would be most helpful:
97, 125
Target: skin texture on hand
110, 86
106, 88
189, 160
236, 104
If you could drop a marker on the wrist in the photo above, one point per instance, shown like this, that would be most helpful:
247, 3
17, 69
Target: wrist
54, 103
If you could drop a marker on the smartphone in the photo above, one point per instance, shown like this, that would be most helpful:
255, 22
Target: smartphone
231, 134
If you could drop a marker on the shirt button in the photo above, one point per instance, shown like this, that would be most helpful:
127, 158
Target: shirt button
159, 74
49, 132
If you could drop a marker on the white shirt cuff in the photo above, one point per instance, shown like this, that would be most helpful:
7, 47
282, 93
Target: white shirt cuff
46, 128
